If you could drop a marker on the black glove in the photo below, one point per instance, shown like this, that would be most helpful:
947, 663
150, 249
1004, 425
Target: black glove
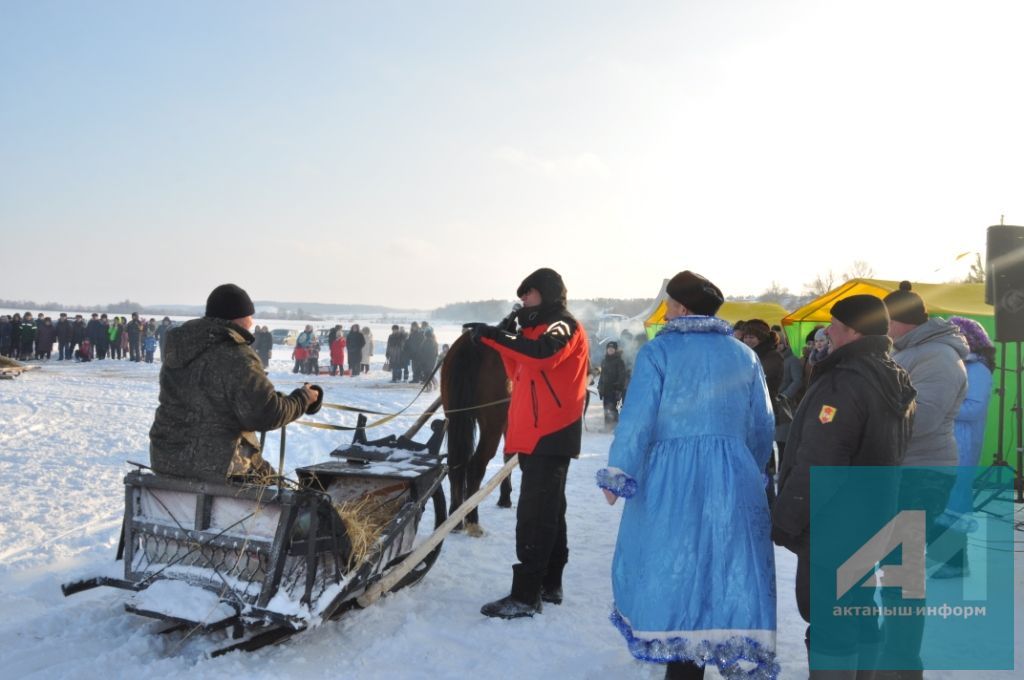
315, 406
478, 331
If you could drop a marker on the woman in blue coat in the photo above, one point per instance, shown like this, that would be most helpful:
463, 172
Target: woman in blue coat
969, 431
693, 574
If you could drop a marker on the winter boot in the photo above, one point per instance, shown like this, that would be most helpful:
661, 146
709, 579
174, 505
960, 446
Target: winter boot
551, 595
511, 608
551, 586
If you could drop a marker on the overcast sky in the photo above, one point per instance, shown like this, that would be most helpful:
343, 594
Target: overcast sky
419, 153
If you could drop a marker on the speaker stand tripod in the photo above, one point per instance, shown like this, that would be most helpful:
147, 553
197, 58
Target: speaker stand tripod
997, 471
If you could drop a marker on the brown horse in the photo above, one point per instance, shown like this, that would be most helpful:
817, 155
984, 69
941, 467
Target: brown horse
474, 392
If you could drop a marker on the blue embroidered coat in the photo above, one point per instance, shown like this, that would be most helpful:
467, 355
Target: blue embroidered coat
694, 573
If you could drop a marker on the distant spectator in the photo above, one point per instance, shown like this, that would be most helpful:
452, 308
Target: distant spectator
412, 348
116, 335
64, 344
27, 337
135, 331
102, 344
149, 343
611, 386
77, 335
15, 350
354, 346
393, 352
5, 336
165, 325
790, 392
765, 342
301, 351
367, 348
92, 331
44, 341
428, 358
264, 345
337, 345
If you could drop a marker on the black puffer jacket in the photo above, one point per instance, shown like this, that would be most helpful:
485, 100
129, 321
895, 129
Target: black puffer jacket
213, 396
858, 410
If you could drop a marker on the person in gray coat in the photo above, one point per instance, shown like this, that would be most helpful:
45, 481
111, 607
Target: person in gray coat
214, 396
932, 351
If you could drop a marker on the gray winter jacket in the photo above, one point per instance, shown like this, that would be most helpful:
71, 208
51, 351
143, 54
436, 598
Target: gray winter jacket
213, 396
933, 355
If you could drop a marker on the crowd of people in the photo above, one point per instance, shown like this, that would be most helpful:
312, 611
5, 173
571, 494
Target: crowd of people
884, 384
28, 337
721, 423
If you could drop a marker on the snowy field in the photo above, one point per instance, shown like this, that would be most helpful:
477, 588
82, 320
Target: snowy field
65, 433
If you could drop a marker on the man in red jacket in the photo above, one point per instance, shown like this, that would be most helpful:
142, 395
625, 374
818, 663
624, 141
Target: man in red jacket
546, 362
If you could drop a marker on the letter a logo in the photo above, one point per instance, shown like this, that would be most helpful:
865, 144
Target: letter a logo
906, 529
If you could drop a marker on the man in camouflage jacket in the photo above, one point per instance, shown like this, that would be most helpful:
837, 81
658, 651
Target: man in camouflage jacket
214, 395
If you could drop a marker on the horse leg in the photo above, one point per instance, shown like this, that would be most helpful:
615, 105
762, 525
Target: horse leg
457, 486
474, 477
505, 493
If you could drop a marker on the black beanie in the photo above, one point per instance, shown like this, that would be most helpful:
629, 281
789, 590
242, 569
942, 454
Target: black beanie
548, 283
906, 306
228, 301
695, 293
865, 314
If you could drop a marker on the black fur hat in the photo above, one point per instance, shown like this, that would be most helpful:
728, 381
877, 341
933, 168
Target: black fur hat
548, 283
695, 293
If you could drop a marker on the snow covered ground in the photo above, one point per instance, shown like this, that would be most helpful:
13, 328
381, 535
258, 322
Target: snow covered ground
65, 433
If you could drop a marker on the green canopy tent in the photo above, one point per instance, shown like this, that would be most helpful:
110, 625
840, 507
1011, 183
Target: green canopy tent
943, 300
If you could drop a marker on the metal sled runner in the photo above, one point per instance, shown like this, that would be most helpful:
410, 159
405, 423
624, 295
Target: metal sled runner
264, 562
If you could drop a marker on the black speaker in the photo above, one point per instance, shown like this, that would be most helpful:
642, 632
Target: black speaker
1004, 280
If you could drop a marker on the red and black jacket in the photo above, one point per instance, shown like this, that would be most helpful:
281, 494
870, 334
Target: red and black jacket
547, 365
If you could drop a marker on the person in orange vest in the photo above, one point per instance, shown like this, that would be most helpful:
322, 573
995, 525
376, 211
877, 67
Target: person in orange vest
546, 361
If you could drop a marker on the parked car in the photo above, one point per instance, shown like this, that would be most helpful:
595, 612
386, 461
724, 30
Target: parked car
284, 336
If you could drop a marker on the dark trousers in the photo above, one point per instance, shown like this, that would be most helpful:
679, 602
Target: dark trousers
921, 490
541, 542
683, 670
396, 373
611, 409
65, 350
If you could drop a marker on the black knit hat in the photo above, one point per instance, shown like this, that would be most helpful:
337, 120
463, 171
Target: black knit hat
548, 283
228, 301
865, 314
695, 293
906, 306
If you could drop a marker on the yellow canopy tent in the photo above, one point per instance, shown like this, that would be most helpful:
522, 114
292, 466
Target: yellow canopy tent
654, 318
941, 299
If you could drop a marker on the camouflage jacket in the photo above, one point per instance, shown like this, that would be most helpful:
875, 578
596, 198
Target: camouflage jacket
213, 396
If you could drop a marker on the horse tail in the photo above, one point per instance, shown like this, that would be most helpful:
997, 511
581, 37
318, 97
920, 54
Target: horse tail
458, 376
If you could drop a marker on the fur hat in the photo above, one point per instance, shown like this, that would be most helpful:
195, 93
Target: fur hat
758, 328
228, 301
611, 345
974, 332
906, 306
694, 292
548, 283
865, 314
